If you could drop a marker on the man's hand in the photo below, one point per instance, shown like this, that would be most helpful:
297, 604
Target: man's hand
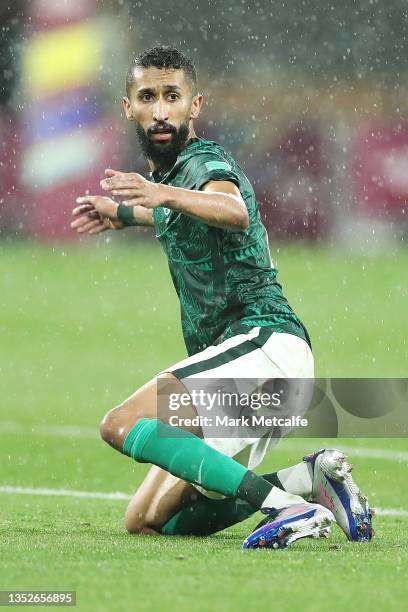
95, 214
134, 188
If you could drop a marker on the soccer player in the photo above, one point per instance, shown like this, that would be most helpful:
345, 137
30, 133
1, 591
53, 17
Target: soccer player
236, 323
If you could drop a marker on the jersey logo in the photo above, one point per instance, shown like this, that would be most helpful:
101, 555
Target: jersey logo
217, 165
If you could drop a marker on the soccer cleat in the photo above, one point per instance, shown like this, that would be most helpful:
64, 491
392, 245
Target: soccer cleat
335, 489
281, 528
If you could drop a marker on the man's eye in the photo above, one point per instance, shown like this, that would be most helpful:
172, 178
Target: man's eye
173, 97
146, 97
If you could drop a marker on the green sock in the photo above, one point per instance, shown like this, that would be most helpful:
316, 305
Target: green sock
207, 516
188, 457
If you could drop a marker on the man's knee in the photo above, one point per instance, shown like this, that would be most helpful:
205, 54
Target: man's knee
138, 523
135, 524
115, 425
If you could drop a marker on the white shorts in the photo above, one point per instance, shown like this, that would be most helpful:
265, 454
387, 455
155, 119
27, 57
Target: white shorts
259, 354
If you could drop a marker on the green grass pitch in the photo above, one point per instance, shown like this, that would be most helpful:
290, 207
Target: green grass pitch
81, 328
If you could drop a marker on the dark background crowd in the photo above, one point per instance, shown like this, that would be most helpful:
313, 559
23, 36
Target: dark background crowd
310, 98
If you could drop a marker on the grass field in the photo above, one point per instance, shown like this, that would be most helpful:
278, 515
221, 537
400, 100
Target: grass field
81, 328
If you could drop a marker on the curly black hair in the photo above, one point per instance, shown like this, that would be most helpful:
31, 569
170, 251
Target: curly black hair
162, 57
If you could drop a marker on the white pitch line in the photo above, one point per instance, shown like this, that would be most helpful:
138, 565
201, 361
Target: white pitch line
77, 431
392, 512
62, 493
59, 431
301, 445
119, 496
376, 453
358, 451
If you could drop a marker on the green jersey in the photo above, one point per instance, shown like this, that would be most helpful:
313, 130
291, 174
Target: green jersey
226, 281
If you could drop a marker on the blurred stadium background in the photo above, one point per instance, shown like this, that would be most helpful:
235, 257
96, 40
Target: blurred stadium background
311, 99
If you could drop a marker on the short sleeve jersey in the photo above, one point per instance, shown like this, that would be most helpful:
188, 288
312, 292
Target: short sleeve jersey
226, 281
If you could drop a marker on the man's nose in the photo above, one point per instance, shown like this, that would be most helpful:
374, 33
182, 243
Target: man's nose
160, 111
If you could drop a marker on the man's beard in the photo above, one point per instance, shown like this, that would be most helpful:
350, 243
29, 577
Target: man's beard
163, 153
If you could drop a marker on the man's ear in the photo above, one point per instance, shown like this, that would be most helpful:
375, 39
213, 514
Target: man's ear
128, 109
196, 106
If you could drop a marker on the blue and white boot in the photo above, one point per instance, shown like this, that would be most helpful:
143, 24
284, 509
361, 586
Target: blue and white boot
334, 488
281, 528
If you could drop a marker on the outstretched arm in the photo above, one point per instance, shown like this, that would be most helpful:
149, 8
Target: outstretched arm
219, 204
